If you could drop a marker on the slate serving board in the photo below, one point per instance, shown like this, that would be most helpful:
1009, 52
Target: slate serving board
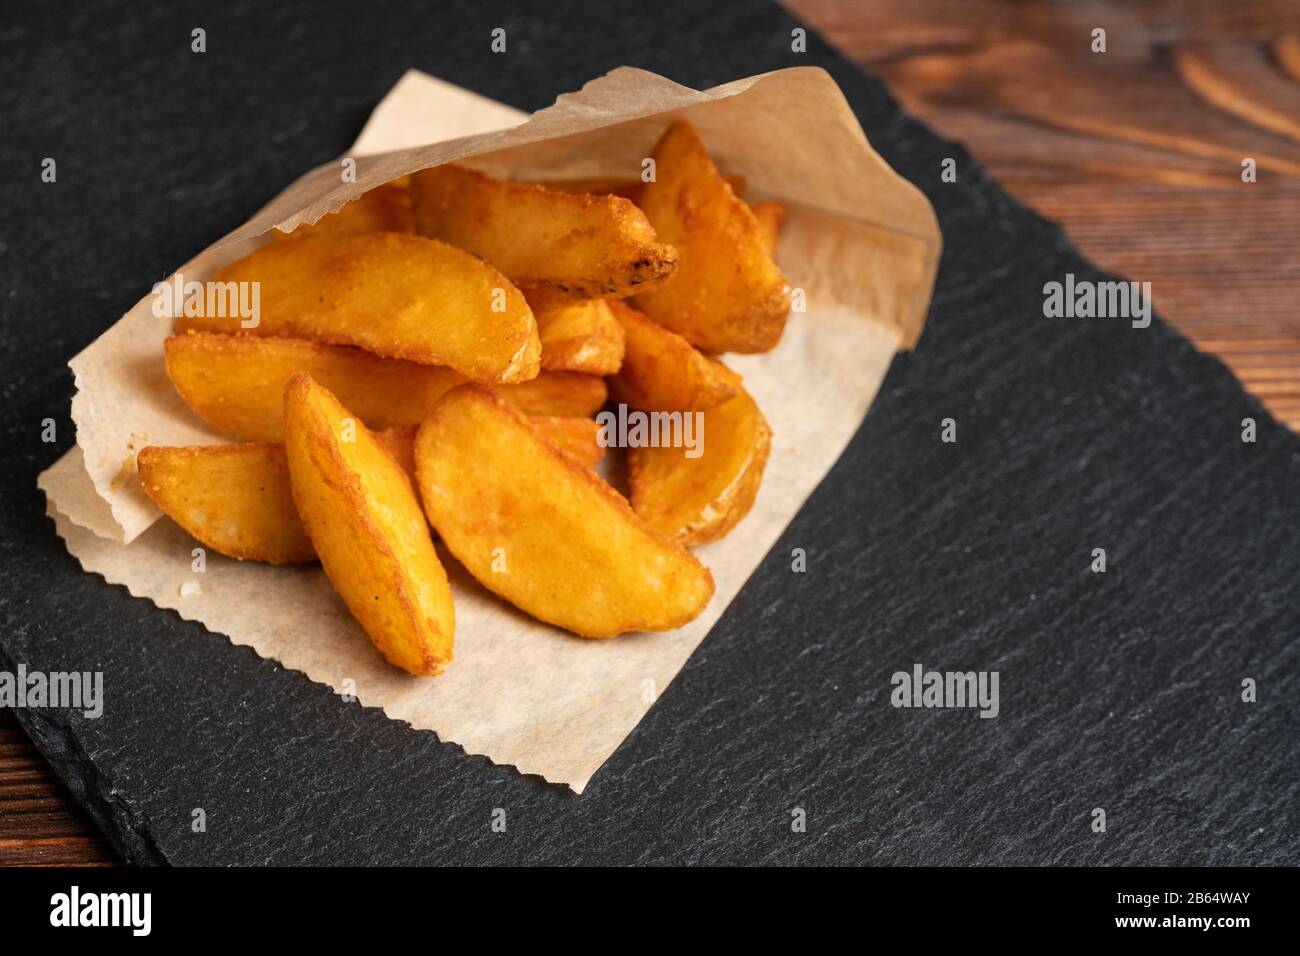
1118, 690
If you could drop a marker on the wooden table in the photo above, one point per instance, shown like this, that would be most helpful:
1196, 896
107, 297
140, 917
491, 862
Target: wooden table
1136, 151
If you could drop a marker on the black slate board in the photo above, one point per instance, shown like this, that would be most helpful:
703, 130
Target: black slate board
1118, 690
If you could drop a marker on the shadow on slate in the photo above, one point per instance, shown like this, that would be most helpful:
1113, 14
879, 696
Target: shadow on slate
1118, 690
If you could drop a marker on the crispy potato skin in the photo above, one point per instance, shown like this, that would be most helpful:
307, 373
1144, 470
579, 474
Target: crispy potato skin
564, 394
236, 383
579, 437
575, 554
579, 337
363, 518
727, 294
385, 208
587, 246
770, 215
396, 295
235, 499
695, 500
662, 372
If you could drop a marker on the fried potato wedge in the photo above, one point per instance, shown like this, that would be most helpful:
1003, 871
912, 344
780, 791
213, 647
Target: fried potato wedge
399, 296
695, 500
565, 394
727, 295
579, 337
662, 372
385, 208
577, 436
362, 515
627, 188
545, 533
583, 245
235, 499
770, 215
236, 383
580, 437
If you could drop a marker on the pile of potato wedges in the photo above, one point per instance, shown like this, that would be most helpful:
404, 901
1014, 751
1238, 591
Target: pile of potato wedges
426, 366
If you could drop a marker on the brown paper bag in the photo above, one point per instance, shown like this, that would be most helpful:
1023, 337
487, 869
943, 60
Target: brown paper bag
861, 242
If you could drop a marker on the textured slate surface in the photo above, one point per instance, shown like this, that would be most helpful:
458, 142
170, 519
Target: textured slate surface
1117, 690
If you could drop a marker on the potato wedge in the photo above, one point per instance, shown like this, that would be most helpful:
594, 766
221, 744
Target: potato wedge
579, 337
727, 295
577, 436
537, 528
236, 383
662, 372
385, 208
583, 245
363, 518
580, 437
235, 499
770, 214
395, 295
695, 500
566, 394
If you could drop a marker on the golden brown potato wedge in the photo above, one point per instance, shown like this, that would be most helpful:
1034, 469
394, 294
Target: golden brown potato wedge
627, 188
236, 383
770, 214
385, 208
364, 519
233, 498
399, 296
533, 525
579, 337
565, 394
577, 436
695, 500
662, 372
727, 295
236, 498
580, 437
586, 246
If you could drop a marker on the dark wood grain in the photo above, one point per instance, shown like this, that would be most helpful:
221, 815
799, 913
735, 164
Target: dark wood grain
40, 823
1137, 152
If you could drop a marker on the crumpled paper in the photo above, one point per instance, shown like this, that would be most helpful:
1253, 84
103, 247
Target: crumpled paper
861, 242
